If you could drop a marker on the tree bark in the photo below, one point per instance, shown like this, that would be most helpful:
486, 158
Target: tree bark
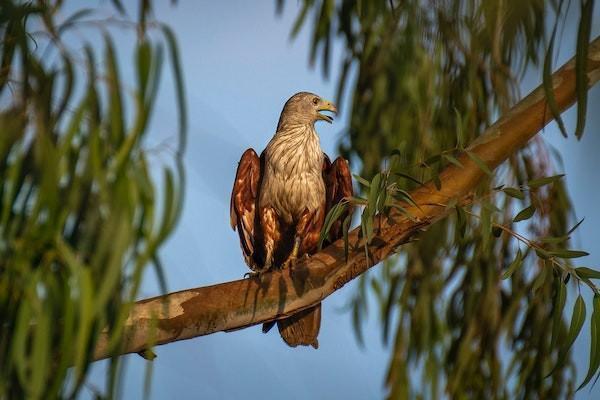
242, 303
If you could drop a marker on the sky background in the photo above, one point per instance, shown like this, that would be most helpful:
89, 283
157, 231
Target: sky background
240, 66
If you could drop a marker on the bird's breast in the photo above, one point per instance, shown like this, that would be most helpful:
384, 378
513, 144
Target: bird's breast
293, 178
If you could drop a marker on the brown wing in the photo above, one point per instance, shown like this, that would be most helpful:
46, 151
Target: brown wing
338, 184
243, 203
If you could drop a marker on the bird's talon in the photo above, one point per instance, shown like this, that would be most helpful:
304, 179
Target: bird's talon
250, 275
255, 274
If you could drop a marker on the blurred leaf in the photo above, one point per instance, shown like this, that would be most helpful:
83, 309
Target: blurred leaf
547, 77
594, 345
524, 214
569, 253
513, 266
587, 273
536, 183
574, 228
514, 192
480, 163
581, 63
576, 323
453, 160
362, 181
557, 309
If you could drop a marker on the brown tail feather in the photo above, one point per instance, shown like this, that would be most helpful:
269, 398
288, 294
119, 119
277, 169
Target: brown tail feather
302, 328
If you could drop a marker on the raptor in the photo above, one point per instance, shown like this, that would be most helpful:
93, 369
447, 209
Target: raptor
280, 200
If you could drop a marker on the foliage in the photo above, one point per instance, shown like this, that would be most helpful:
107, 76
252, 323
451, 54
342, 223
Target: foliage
469, 306
80, 213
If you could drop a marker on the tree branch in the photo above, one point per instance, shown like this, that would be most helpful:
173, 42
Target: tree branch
239, 304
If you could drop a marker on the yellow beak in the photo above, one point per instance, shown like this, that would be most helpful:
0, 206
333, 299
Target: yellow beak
326, 106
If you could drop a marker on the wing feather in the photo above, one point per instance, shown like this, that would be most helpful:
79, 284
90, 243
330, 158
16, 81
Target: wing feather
243, 202
338, 185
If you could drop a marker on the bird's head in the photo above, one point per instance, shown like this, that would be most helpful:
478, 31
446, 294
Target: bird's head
305, 108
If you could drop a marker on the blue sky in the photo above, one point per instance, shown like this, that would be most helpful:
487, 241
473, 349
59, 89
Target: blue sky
240, 67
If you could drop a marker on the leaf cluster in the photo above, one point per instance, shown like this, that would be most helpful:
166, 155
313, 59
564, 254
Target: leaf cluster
81, 215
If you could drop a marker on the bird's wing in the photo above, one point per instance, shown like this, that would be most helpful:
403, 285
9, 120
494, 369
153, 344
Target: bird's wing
338, 185
243, 202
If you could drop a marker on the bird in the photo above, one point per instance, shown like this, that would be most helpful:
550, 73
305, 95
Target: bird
280, 200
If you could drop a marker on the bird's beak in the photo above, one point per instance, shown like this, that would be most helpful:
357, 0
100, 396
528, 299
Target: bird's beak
326, 106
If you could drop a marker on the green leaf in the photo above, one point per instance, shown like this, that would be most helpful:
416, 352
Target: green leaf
362, 181
542, 276
557, 309
374, 191
431, 160
144, 59
594, 345
453, 160
576, 323
358, 200
547, 78
575, 227
436, 180
514, 265
543, 254
514, 192
587, 273
407, 176
114, 88
536, 183
179, 86
41, 353
345, 229
461, 221
333, 215
581, 61
524, 214
480, 163
568, 253
554, 240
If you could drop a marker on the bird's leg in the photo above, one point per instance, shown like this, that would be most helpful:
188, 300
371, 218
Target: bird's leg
257, 272
291, 260
304, 229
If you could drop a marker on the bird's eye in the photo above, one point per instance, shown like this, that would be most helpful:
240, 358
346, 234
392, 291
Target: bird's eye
316, 101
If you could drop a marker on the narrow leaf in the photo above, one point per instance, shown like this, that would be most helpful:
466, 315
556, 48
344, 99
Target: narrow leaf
480, 163
569, 253
574, 329
581, 60
594, 345
410, 178
453, 160
536, 183
514, 265
587, 273
547, 79
557, 309
575, 227
524, 214
514, 192
362, 181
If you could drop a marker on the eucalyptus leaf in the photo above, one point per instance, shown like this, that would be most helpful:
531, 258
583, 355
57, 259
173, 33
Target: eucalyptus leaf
524, 214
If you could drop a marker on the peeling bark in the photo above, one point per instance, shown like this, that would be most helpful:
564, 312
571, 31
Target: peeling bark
242, 303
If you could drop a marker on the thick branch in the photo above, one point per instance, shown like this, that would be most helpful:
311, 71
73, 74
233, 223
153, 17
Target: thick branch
238, 304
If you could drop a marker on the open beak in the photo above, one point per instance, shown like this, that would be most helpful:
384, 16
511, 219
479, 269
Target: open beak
326, 106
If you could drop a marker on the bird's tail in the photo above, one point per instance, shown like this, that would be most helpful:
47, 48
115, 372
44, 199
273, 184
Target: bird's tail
301, 328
